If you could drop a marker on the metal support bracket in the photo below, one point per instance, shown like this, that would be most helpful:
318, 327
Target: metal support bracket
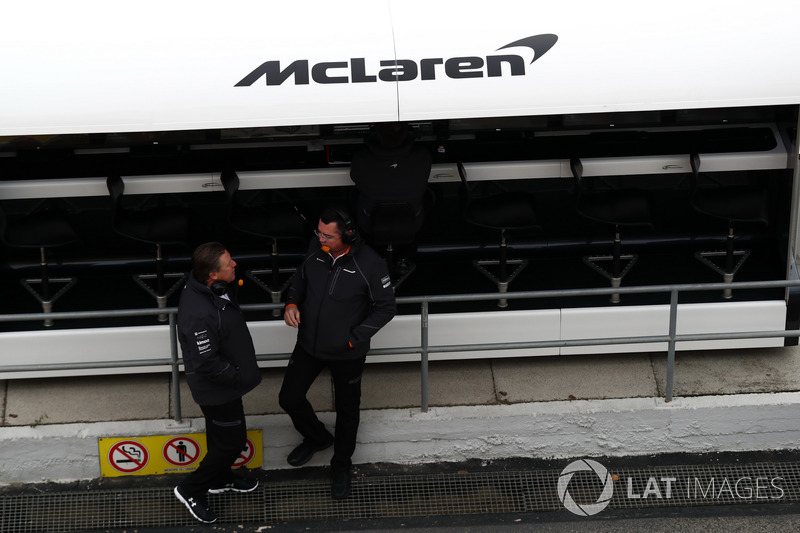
502, 284
47, 305
593, 261
727, 277
161, 299
275, 294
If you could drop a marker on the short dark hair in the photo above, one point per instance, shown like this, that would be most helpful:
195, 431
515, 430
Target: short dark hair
205, 260
334, 214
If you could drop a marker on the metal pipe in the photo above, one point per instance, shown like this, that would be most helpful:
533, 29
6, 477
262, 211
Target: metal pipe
673, 328
424, 348
424, 355
794, 231
555, 293
176, 384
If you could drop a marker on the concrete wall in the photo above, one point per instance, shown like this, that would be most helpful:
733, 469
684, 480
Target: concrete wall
558, 429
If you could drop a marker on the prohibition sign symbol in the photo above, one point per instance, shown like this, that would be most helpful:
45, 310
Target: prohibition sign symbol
181, 451
128, 456
246, 455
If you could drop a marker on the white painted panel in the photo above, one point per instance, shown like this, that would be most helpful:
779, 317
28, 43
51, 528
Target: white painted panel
281, 179
272, 337
630, 321
627, 321
275, 337
57, 188
732, 317
169, 183
94, 66
620, 55
496, 326
679, 164
84, 346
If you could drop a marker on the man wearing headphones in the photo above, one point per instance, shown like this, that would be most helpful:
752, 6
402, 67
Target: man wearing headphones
221, 367
340, 297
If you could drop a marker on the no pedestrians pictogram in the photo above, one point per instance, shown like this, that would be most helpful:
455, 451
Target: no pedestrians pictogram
181, 451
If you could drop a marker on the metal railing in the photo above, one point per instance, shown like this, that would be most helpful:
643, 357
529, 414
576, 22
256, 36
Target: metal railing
424, 348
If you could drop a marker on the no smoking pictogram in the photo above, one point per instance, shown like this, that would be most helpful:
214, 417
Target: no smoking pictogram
128, 456
181, 451
246, 456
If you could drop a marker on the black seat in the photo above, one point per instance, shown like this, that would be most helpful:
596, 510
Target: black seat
278, 220
745, 204
49, 228
391, 225
615, 207
159, 226
501, 211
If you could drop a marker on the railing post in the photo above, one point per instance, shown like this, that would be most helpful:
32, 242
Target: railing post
424, 354
176, 385
673, 328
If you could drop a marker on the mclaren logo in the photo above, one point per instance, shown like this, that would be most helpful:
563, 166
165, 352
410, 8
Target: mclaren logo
356, 69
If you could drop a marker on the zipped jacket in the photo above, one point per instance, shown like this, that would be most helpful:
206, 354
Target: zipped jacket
218, 352
342, 303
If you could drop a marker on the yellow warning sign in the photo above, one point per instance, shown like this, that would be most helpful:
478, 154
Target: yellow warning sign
167, 454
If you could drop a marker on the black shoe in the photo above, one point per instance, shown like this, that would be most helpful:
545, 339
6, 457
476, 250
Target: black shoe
340, 486
238, 484
197, 506
303, 453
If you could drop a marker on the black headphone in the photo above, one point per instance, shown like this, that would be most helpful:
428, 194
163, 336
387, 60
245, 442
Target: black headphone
350, 232
219, 287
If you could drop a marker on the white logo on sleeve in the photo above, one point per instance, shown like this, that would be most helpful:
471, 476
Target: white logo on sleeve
203, 342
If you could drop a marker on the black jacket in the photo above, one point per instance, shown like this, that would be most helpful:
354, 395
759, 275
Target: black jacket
218, 352
341, 303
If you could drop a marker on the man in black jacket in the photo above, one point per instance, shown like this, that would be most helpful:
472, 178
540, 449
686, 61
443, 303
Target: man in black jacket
343, 293
220, 362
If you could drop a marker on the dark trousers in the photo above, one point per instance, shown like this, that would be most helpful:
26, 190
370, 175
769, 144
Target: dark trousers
226, 438
303, 369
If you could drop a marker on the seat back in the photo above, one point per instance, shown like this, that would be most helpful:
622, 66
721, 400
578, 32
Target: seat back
116, 188
616, 207
159, 225
230, 182
504, 210
276, 218
392, 224
45, 228
733, 203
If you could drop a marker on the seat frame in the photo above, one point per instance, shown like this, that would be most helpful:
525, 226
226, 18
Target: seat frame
730, 267
397, 278
503, 278
621, 264
43, 296
161, 292
275, 287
